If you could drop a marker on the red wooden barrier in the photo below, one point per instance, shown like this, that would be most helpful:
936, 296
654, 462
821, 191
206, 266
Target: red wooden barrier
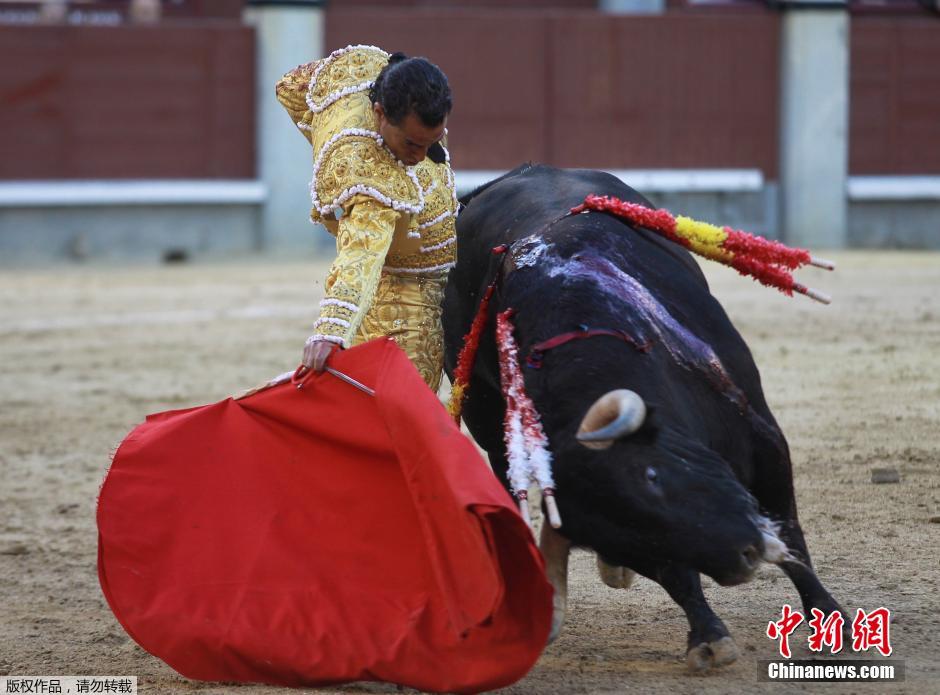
895, 86
127, 102
587, 89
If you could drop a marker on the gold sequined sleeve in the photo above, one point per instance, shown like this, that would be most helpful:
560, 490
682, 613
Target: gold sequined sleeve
365, 233
291, 91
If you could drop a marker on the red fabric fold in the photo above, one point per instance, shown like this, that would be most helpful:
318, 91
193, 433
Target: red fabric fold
321, 535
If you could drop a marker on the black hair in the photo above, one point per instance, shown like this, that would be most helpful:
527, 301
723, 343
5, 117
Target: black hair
412, 84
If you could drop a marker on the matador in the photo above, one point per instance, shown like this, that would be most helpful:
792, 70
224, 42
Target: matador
383, 186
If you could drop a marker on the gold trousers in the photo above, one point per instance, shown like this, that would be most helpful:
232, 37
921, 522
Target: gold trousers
408, 309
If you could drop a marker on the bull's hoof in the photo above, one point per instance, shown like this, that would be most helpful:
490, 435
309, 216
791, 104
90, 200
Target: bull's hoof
559, 610
613, 576
709, 655
558, 619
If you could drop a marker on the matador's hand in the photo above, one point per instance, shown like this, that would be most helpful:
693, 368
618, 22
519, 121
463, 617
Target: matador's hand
316, 353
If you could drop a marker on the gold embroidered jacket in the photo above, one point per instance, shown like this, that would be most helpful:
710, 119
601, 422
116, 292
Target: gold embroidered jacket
385, 216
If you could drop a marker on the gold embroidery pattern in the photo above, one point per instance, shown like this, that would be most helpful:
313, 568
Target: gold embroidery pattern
350, 68
365, 233
436, 247
345, 69
358, 164
409, 310
352, 170
291, 92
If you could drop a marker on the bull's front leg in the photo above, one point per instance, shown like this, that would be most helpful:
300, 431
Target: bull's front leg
555, 549
800, 571
709, 643
775, 496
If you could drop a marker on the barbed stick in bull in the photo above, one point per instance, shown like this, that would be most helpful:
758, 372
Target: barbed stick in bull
526, 443
768, 262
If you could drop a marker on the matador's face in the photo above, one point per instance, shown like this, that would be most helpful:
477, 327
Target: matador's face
410, 140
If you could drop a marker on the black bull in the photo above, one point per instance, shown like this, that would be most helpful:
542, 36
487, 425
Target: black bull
705, 484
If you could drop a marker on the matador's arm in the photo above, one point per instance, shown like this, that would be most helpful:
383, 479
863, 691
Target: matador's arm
365, 233
291, 91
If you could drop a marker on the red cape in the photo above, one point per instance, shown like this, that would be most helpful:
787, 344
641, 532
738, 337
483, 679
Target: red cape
321, 535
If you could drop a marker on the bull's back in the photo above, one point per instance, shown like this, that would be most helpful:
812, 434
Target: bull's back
533, 200
528, 200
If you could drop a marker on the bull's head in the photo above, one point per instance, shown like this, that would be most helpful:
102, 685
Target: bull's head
660, 495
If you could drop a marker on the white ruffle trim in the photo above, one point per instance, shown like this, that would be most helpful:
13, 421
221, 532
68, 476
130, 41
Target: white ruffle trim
419, 271
399, 205
343, 323
322, 336
451, 183
414, 235
453, 187
373, 193
440, 218
438, 247
339, 94
340, 303
333, 97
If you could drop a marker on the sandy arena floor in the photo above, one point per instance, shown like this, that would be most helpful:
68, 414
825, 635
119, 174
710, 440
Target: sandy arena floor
85, 353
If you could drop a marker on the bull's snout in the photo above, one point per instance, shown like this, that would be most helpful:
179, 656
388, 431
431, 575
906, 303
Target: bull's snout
740, 566
750, 558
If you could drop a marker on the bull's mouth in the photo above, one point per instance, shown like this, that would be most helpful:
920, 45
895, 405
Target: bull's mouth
769, 548
742, 571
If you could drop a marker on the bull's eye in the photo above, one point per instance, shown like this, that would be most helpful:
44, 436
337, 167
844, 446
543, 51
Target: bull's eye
651, 475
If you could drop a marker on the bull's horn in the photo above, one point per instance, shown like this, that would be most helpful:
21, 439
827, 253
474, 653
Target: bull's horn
614, 415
